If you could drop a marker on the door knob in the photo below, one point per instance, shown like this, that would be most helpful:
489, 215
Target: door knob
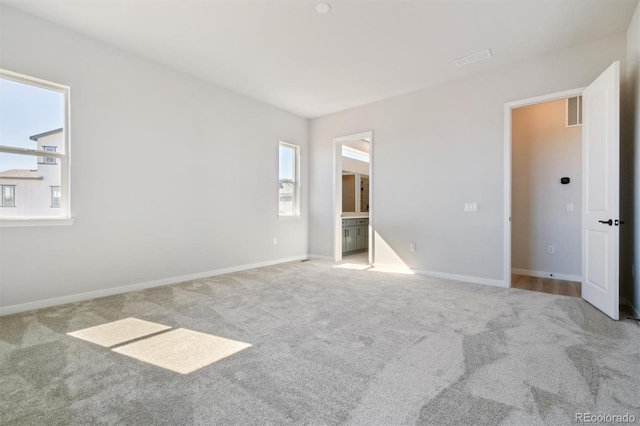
608, 222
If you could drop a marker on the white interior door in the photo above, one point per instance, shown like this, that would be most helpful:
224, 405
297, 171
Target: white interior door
601, 191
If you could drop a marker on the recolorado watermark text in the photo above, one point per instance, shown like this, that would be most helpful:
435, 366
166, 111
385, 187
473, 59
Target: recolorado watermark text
604, 418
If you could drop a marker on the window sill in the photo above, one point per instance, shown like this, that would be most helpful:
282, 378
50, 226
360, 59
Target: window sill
297, 217
18, 223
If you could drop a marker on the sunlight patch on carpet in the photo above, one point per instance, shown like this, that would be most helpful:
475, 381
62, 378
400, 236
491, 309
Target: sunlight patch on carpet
392, 269
358, 266
181, 350
117, 332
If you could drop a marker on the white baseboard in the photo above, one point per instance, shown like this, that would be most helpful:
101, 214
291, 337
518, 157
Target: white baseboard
626, 302
320, 257
46, 303
543, 274
395, 269
464, 278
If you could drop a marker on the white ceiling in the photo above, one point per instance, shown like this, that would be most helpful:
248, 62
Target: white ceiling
284, 53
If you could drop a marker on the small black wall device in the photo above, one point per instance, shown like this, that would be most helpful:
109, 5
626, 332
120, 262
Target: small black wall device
565, 180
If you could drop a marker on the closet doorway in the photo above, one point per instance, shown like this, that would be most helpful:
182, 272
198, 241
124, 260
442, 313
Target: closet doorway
353, 212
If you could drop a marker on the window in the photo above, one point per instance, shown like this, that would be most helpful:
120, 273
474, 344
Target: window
8, 195
574, 111
34, 148
55, 196
289, 189
49, 160
355, 154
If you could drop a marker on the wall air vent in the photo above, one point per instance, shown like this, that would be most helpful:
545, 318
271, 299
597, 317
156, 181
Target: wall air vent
478, 56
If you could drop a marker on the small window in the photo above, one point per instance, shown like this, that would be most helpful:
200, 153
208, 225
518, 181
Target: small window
574, 111
289, 188
34, 148
56, 196
8, 195
49, 160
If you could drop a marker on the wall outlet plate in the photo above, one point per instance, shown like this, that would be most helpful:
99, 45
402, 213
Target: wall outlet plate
412, 246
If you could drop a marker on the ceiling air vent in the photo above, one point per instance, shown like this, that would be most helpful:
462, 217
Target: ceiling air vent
478, 56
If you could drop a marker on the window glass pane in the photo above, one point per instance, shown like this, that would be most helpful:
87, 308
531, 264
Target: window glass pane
31, 186
287, 162
8, 196
27, 111
55, 196
16, 161
287, 198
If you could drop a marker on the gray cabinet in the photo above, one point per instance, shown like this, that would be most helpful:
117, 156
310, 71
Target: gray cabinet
360, 237
350, 242
355, 234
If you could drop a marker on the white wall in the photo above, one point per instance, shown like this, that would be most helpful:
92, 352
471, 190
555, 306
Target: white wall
630, 156
170, 175
434, 150
544, 150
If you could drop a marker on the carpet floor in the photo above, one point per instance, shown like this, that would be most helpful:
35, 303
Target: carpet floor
327, 345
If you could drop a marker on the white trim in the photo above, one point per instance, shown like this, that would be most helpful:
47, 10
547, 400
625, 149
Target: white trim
463, 278
296, 166
400, 269
507, 168
543, 274
39, 304
33, 81
31, 152
321, 257
626, 302
20, 223
337, 194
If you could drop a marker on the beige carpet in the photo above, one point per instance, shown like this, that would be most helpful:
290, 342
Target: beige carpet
330, 345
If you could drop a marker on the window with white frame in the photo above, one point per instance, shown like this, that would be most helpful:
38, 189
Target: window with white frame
8, 195
56, 196
34, 148
289, 186
49, 160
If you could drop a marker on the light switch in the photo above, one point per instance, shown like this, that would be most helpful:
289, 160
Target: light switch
470, 207
569, 207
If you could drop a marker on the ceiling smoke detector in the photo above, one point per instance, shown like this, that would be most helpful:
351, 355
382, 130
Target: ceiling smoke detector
323, 8
478, 56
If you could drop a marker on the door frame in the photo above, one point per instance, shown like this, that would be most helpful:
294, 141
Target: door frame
337, 193
508, 110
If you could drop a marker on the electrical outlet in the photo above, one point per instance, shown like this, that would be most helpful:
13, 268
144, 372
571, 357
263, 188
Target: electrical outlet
470, 207
569, 207
551, 249
412, 246
275, 241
